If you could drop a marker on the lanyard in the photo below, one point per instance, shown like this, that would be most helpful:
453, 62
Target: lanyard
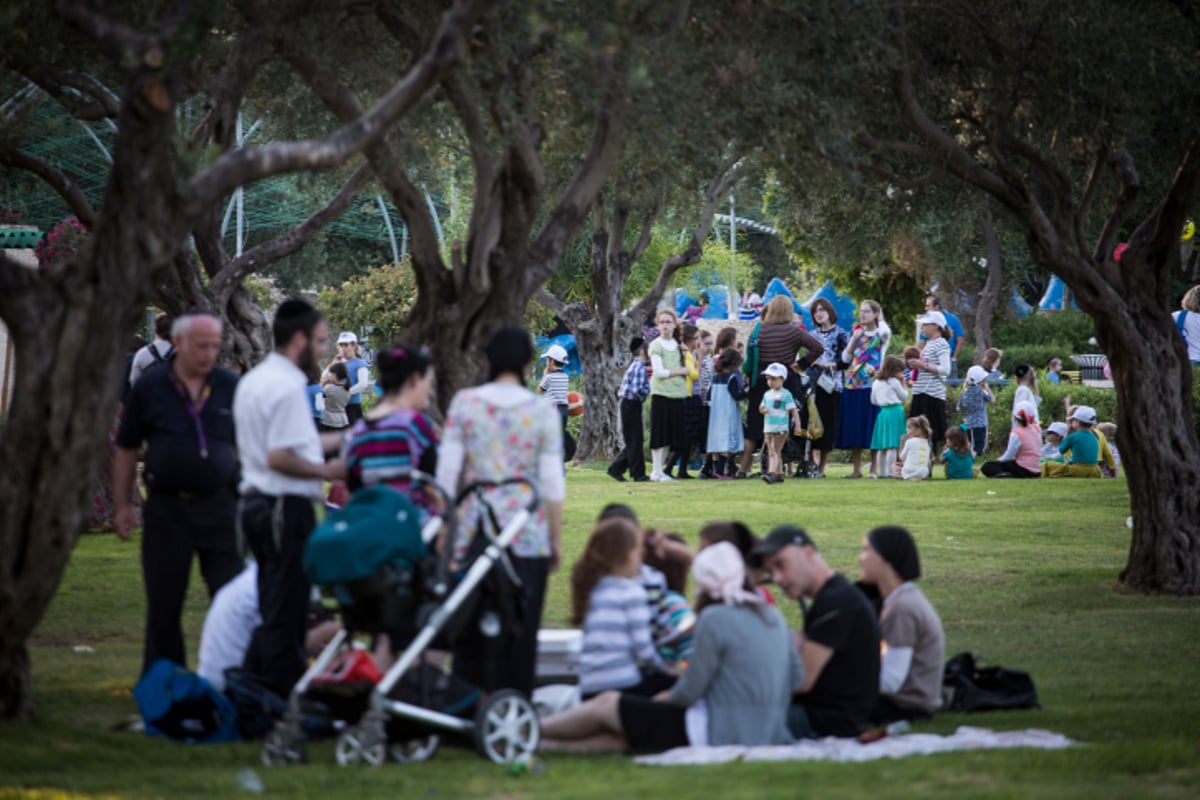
194, 408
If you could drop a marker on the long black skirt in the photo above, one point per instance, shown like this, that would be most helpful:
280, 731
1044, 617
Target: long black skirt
667, 423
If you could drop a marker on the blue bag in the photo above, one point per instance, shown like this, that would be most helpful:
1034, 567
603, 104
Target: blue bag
178, 704
378, 526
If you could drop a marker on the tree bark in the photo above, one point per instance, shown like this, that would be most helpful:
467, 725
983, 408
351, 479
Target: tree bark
989, 298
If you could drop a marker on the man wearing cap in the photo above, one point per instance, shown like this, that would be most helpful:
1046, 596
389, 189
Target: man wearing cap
181, 409
349, 353
283, 468
910, 675
953, 325
1084, 446
554, 385
840, 643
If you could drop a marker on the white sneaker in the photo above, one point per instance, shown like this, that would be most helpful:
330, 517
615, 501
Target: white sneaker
665, 478
656, 476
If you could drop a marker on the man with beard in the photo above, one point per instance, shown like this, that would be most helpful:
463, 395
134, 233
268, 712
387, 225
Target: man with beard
283, 468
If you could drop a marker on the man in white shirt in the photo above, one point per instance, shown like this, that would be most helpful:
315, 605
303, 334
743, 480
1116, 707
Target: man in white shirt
283, 469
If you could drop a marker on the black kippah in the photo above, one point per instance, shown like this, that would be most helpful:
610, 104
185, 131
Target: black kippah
510, 350
896, 546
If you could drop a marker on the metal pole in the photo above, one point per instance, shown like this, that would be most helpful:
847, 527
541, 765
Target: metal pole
732, 310
239, 197
387, 220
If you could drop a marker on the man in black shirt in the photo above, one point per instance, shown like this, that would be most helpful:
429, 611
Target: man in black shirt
840, 643
182, 410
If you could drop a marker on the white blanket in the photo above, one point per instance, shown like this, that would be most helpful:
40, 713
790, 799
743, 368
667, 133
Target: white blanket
834, 749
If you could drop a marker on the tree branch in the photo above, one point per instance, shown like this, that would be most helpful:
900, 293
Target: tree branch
1089, 194
58, 180
1160, 230
114, 39
83, 97
228, 87
1131, 186
647, 233
281, 246
249, 164
550, 301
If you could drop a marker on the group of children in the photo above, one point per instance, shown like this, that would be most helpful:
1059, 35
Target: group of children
695, 384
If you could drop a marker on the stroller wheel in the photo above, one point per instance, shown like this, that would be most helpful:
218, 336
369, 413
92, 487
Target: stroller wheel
281, 748
361, 744
414, 751
506, 727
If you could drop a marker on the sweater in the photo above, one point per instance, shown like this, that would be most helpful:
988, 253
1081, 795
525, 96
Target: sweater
745, 669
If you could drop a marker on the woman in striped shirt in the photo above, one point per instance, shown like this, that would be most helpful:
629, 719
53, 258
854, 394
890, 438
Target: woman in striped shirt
932, 369
395, 437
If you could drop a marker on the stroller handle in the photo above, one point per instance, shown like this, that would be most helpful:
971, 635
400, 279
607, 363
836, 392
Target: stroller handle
480, 486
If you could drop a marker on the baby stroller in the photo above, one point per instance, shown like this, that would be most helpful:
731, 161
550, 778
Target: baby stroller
375, 561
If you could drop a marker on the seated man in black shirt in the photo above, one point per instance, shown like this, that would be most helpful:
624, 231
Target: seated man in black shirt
182, 410
840, 642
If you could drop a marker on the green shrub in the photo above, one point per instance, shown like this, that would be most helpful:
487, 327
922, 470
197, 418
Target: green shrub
1072, 329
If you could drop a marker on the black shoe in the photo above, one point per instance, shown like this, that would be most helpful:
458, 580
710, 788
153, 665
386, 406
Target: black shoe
616, 476
684, 476
642, 479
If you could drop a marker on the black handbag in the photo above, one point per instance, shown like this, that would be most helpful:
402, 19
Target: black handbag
972, 688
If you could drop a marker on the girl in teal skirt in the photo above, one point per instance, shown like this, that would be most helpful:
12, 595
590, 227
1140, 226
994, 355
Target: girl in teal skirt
889, 393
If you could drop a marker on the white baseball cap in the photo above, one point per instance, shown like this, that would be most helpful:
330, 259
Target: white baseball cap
933, 318
1058, 428
776, 370
347, 336
976, 375
1085, 414
557, 353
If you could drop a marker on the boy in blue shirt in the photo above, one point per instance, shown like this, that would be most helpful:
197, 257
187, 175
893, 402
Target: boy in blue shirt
777, 406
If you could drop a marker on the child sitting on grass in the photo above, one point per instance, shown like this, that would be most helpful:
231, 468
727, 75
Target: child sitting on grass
1109, 433
609, 600
958, 458
1055, 432
913, 464
1083, 445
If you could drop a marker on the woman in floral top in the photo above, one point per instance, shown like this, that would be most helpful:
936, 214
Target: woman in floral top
493, 432
856, 420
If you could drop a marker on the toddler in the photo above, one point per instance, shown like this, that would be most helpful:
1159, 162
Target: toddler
958, 458
973, 405
915, 454
776, 407
1109, 467
1082, 443
910, 353
1055, 433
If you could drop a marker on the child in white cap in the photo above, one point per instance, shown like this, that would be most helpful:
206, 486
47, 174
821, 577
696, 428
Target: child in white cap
973, 405
1083, 445
554, 385
777, 406
1055, 432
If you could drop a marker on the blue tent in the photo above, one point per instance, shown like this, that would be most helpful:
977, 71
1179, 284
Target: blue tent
718, 302
777, 288
1021, 308
1053, 299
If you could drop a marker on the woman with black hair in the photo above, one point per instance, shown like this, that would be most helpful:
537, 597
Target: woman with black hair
494, 432
395, 437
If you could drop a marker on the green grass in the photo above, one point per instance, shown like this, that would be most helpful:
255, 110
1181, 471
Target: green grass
1023, 573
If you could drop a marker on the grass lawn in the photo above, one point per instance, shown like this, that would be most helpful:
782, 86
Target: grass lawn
1022, 572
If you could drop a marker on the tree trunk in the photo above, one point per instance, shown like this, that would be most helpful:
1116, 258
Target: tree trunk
989, 298
607, 356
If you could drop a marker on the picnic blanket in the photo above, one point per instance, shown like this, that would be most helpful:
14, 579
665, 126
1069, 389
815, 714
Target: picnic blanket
834, 749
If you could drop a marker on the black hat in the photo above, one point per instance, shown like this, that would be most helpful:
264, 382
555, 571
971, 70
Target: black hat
510, 350
895, 545
781, 537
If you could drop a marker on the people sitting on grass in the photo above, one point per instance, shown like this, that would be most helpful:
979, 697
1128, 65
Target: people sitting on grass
1023, 455
609, 601
1109, 431
1083, 445
840, 643
1054, 434
735, 690
914, 645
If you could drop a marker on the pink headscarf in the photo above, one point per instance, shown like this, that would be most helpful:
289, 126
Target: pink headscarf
721, 573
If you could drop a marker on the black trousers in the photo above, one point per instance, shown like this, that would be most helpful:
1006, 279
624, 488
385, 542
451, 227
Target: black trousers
277, 529
1006, 469
353, 412
568, 440
174, 530
633, 457
513, 664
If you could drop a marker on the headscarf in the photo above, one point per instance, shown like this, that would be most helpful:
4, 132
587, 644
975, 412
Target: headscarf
895, 545
721, 574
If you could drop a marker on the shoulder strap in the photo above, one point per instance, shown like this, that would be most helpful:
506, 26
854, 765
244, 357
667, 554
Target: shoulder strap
1180, 321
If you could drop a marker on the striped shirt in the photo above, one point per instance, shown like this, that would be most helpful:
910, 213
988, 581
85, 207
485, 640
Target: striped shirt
636, 383
706, 375
387, 450
554, 385
936, 354
616, 636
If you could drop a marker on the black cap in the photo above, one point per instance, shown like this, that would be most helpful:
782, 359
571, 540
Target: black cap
781, 537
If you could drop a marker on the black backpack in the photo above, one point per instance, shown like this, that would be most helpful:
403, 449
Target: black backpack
972, 688
158, 357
